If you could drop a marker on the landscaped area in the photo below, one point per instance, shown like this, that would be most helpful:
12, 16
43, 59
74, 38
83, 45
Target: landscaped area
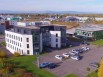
71, 75
27, 62
98, 43
93, 74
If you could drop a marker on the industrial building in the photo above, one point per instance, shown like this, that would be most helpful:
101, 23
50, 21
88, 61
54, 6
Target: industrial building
93, 32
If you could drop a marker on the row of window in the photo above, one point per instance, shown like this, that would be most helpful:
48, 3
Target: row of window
14, 42
14, 37
17, 49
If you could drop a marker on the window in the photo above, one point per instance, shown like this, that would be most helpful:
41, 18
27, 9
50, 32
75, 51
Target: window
56, 35
56, 40
28, 52
56, 45
18, 30
27, 39
20, 44
27, 45
21, 39
22, 51
24, 31
14, 36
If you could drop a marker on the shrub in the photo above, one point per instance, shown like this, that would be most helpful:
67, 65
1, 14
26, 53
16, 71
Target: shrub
16, 54
20, 70
88, 69
3, 54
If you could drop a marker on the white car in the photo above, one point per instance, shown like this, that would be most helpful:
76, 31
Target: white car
86, 48
66, 55
59, 57
72, 53
75, 57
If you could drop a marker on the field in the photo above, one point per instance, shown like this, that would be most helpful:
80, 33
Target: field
71, 75
93, 74
98, 43
27, 62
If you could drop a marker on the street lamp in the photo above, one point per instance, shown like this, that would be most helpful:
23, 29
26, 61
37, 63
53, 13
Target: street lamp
38, 59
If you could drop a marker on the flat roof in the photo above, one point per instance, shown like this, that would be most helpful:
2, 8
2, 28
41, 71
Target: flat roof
91, 27
29, 27
38, 27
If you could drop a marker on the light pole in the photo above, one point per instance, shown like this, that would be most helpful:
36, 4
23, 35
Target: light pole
38, 59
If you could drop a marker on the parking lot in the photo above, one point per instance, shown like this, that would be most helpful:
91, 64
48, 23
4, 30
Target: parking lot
69, 66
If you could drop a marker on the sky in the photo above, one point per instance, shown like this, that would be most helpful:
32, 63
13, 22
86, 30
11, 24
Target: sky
52, 5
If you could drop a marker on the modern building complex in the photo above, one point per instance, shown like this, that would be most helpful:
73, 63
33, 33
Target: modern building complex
92, 32
27, 40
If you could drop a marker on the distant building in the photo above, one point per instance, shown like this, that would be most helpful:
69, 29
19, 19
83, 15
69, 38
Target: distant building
27, 40
33, 23
74, 19
93, 32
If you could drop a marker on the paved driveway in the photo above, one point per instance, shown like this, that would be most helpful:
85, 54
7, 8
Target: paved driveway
71, 66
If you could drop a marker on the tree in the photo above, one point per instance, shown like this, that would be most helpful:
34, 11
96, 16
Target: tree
100, 70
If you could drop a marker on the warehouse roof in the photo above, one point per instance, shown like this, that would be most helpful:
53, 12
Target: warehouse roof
91, 27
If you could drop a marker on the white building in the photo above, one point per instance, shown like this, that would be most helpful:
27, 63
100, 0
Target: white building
28, 40
21, 43
55, 39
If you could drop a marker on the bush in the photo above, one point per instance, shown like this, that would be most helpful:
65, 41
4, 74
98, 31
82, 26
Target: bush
20, 70
88, 69
16, 54
3, 43
3, 54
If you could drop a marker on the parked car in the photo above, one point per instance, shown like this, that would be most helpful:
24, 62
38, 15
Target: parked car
73, 53
66, 55
80, 50
44, 64
52, 65
59, 57
85, 48
77, 57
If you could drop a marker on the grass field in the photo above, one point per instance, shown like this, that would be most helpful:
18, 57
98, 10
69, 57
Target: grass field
71, 75
26, 62
93, 74
98, 43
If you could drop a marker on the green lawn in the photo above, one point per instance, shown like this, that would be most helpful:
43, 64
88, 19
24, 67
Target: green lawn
27, 63
71, 75
98, 43
93, 74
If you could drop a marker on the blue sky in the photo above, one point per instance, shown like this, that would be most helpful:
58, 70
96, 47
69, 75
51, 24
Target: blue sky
52, 5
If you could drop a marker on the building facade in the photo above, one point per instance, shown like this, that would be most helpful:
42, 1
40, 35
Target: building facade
29, 40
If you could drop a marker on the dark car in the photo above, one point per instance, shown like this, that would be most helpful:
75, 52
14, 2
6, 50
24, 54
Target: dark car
79, 50
52, 65
44, 64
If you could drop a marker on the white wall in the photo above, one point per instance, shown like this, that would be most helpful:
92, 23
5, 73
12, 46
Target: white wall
53, 38
19, 43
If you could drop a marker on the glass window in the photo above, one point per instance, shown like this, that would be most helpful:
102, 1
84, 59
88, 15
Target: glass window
27, 39
27, 45
28, 52
56, 35
56, 40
